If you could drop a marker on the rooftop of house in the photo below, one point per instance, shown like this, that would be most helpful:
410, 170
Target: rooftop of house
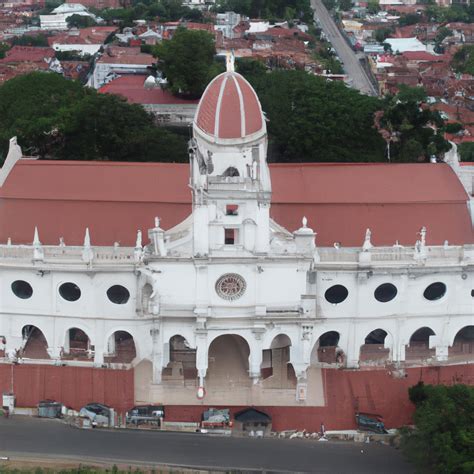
132, 87
126, 55
90, 35
23, 54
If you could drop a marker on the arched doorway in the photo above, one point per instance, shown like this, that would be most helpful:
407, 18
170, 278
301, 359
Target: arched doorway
34, 344
181, 367
419, 345
373, 350
276, 369
77, 345
120, 348
463, 345
228, 363
147, 291
326, 349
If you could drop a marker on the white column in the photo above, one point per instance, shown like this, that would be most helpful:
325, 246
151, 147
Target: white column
99, 343
201, 355
352, 348
255, 361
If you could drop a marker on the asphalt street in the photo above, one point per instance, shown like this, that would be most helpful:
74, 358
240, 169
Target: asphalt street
352, 65
51, 439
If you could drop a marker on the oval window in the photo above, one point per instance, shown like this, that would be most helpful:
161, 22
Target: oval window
70, 291
385, 292
22, 289
118, 294
336, 294
435, 291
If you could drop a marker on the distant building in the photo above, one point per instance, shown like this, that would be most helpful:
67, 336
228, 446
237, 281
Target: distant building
138, 89
58, 19
118, 60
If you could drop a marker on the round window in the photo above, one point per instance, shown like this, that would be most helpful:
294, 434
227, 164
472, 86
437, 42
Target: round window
22, 289
70, 291
385, 292
336, 294
230, 286
118, 294
435, 291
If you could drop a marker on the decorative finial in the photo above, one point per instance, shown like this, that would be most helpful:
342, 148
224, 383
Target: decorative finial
367, 243
36, 240
61, 242
9, 241
87, 238
337, 245
446, 244
304, 221
138, 244
423, 236
230, 62
157, 222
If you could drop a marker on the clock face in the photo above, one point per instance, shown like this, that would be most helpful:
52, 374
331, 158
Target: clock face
230, 286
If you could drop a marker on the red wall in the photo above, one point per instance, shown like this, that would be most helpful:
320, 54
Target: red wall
346, 391
372, 391
73, 386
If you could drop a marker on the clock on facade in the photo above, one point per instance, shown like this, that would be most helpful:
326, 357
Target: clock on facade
230, 286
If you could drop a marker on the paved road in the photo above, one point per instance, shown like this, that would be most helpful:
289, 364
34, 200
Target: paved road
352, 65
39, 438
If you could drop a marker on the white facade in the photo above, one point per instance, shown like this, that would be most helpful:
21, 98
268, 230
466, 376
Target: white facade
228, 269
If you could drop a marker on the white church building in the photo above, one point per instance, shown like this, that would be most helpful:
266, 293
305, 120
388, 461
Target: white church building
230, 305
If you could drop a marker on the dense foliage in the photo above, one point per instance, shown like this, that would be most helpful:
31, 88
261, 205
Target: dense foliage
453, 13
27, 40
187, 61
416, 132
269, 9
443, 441
311, 119
80, 21
463, 60
59, 119
466, 151
165, 10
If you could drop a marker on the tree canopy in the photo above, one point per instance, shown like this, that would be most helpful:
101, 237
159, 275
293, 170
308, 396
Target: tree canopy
311, 119
443, 441
59, 119
463, 60
416, 132
269, 9
187, 61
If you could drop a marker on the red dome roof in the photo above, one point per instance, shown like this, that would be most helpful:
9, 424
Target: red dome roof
229, 109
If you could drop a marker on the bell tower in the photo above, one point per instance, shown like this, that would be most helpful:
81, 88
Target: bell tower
230, 178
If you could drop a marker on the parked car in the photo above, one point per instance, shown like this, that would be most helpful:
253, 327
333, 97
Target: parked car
145, 414
370, 422
98, 413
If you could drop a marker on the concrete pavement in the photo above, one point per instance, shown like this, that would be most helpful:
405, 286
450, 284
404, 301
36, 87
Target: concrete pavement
51, 439
352, 65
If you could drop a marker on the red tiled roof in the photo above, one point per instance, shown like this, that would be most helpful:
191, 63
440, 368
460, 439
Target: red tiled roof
90, 35
132, 88
21, 54
340, 201
422, 56
124, 55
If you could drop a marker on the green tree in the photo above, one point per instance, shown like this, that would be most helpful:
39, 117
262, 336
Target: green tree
345, 5
382, 34
27, 40
79, 21
188, 61
417, 130
373, 6
463, 60
4, 47
309, 117
466, 151
443, 441
59, 119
